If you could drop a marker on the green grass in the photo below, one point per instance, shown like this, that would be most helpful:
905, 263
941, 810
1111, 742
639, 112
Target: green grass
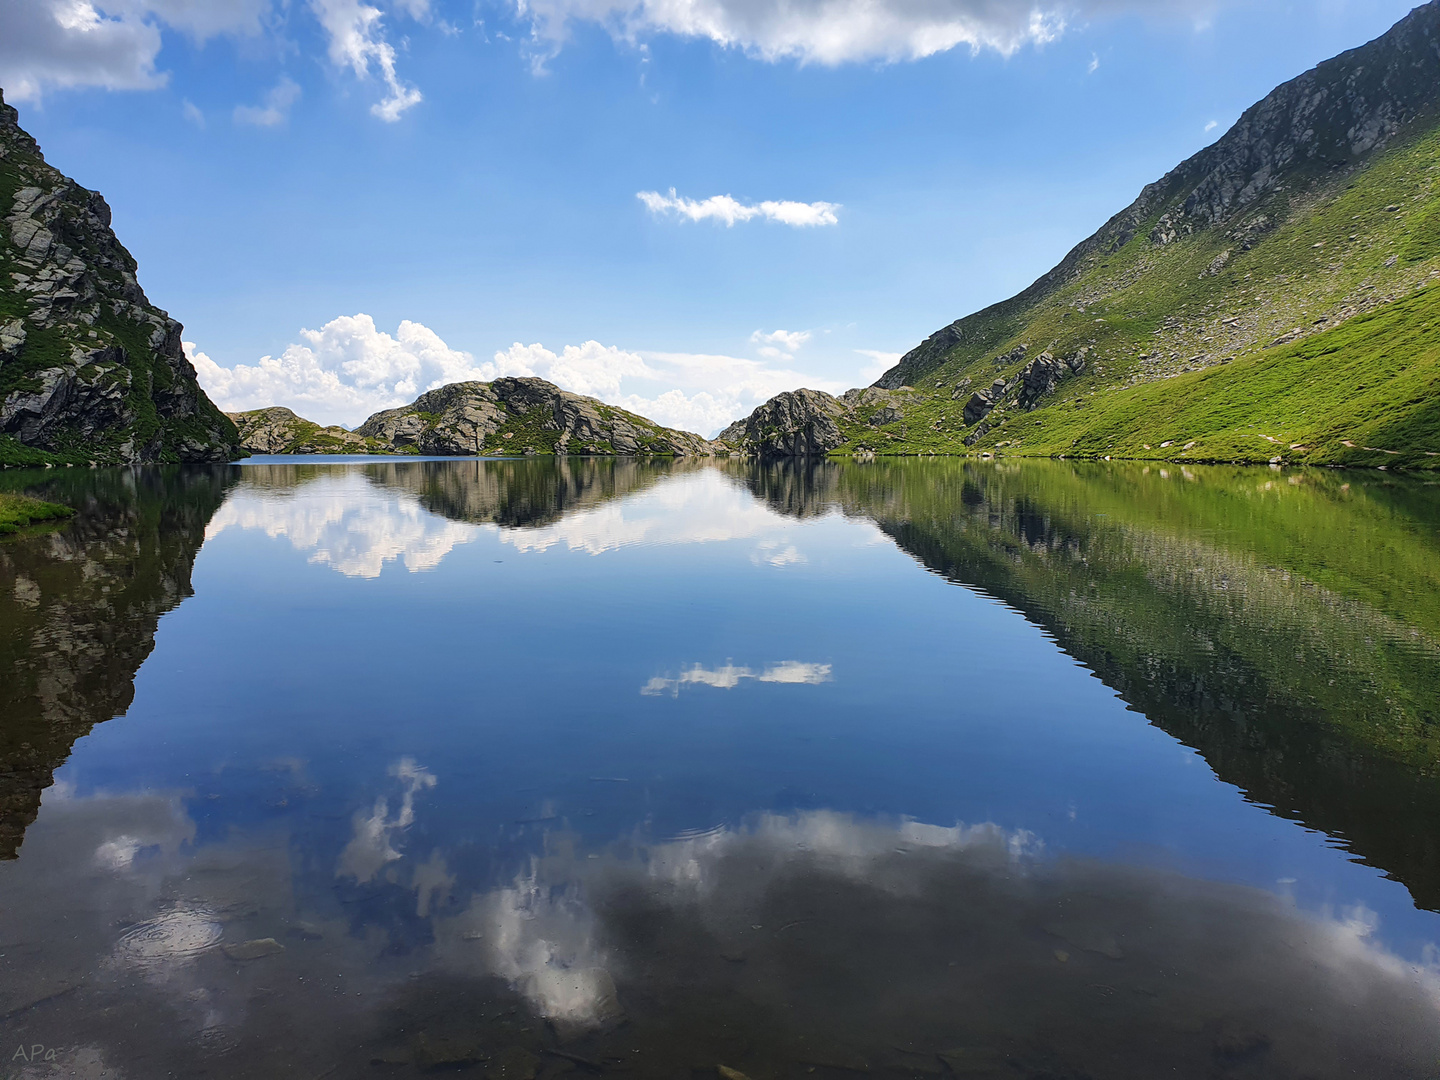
1366, 393
21, 511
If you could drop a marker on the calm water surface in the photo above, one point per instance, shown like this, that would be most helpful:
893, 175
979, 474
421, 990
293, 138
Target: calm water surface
530, 768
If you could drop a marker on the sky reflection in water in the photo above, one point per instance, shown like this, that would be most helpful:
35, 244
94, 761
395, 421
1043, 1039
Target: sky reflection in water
679, 766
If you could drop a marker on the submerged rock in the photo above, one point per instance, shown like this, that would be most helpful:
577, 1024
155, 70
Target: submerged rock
253, 950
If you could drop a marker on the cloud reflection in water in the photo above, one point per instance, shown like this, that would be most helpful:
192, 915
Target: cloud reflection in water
729, 676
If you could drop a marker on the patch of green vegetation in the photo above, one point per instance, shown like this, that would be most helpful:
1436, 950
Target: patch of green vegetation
1366, 393
20, 511
1424, 241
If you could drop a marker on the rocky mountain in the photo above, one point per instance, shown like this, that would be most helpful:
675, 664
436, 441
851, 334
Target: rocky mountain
507, 416
1267, 299
808, 423
527, 416
277, 430
90, 370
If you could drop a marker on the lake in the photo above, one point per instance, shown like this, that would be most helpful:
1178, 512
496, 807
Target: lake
522, 768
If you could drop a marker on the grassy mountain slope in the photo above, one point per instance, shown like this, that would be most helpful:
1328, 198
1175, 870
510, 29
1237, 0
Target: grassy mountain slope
1228, 302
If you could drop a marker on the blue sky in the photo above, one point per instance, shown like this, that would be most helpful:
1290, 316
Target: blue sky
346, 204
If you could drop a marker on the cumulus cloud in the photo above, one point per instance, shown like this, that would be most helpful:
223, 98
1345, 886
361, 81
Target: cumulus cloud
728, 676
842, 31
730, 210
340, 373
779, 344
349, 368
357, 40
274, 112
372, 844
111, 44
880, 362
818, 31
345, 524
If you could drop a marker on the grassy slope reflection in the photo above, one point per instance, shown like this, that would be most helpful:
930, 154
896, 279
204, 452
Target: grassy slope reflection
78, 611
1287, 626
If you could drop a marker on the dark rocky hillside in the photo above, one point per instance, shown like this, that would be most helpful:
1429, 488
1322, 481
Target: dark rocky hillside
90, 370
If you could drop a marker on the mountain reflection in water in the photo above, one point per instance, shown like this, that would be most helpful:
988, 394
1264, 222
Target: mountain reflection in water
534, 767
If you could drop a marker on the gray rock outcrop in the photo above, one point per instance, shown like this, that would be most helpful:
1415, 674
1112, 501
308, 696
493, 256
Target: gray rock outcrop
797, 423
277, 430
90, 370
521, 416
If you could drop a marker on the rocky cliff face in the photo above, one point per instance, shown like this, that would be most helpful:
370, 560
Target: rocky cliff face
90, 370
521, 416
810, 423
798, 423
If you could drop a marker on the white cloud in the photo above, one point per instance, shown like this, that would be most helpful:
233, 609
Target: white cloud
777, 554
817, 31
1094, 65
703, 506
1212, 125
788, 341
112, 44
371, 845
276, 109
730, 210
357, 40
342, 372
729, 676
880, 362
591, 369
192, 112
345, 524
349, 369
200, 19
843, 31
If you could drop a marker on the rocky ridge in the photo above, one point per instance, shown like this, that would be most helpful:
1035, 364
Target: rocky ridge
277, 430
90, 370
811, 423
508, 416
